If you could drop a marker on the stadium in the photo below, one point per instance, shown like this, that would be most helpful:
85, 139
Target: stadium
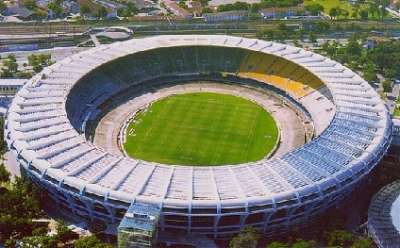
50, 127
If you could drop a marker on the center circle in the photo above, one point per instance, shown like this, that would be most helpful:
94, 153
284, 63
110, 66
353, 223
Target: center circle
201, 129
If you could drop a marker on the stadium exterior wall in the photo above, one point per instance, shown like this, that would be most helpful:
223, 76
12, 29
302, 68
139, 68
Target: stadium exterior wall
271, 195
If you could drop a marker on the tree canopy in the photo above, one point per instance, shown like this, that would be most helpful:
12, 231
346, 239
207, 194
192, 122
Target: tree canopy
247, 239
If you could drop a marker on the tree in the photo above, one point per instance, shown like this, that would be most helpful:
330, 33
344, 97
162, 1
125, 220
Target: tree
355, 12
64, 233
130, 10
18, 207
30, 4
233, 6
333, 12
389, 73
312, 37
373, 8
387, 85
182, 4
296, 43
364, 243
206, 10
10, 66
3, 7
304, 244
91, 242
276, 245
369, 73
322, 26
247, 239
55, 7
102, 12
4, 174
39, 61
345, 13
204, 2
353, 47
84, 9
314, 9
340, 238
364, 14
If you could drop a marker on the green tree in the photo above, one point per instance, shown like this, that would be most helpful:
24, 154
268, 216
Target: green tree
18, 207
296, 43
55, 7
130, 10
345, 13
64, 233
340, 238
304, 244
182, 4
247, 239
333, 12
101, 12
389, 73
364, 243
206, 10
4, 174
314, 9
312, 37
91, 242
276, 245
30, 4
353, 47
38, 62
369, 73
364, 14
204, 2
234, 6
322, 26
3, 7
10, 66
84, 9
387, 85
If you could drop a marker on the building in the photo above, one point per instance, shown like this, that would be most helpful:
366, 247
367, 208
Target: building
138, 228
17, 8
176, 9
268, 13
47, 129
235, 15
373, 41
384, 216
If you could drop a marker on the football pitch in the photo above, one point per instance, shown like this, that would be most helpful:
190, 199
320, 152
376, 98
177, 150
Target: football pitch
201, 129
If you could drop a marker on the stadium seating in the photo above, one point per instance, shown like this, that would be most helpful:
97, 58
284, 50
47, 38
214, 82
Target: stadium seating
48, 117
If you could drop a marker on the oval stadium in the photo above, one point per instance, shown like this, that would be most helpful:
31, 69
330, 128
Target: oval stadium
60, 128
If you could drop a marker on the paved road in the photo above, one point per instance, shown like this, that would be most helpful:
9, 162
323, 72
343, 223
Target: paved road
11, 165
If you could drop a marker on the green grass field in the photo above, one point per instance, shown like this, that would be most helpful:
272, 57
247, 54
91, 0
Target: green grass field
201, 129
329, 4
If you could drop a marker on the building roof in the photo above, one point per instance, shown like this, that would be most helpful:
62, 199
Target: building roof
22, 12
141, 217
171, 4
378, 39
226, 13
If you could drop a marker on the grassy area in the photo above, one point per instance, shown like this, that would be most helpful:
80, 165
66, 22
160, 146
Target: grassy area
396, 112
345, 5
201, 129
329, 4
